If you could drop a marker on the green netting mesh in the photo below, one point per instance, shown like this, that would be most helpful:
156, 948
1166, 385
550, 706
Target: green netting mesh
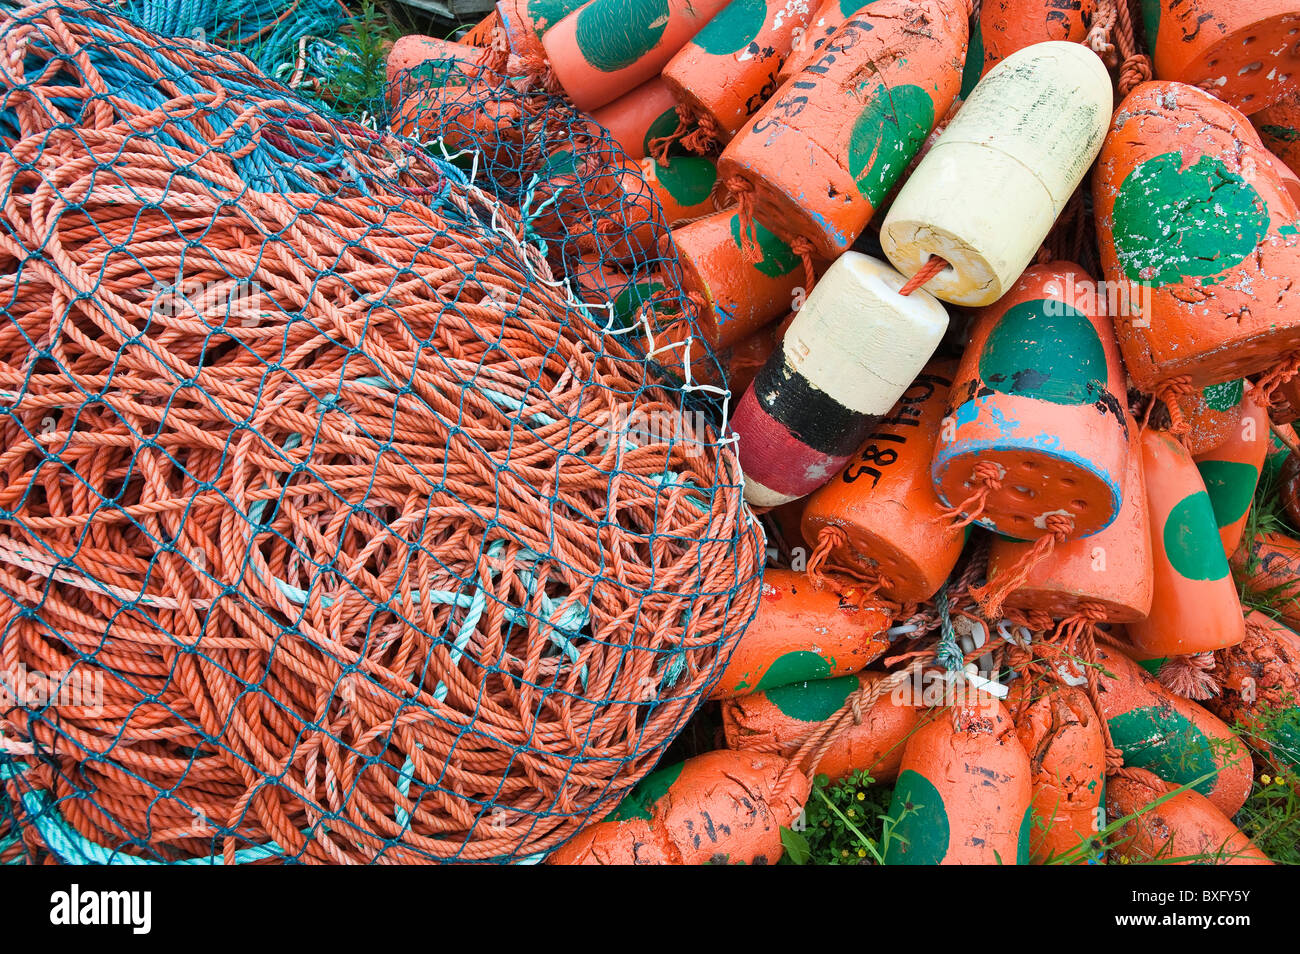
361, 497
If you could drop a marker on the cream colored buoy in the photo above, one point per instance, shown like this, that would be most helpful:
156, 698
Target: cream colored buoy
851, 351
986, 195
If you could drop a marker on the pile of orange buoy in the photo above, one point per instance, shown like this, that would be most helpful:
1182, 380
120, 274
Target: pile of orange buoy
1004, 297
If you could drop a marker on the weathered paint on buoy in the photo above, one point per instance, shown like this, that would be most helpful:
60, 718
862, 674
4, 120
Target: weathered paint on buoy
850, 353
986, 195
728, 70
1279, 129
525, 22
1259, 689
884, 502
737, 297
609, 47
1010, 25
1183, 829
483, 32
807, 44
963, 793
720, 807
1112, 568
1231, 469
1040, 396
427, 61
1198, 234
1269, 565
1244, 53
801, 633
1062, 736
637, 118
1211, 414
1173, 737
822, 154
1194, 605
781, 719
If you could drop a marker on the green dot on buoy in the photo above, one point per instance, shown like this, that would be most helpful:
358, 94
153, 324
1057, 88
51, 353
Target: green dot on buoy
733, 28
798, 666
1231, 486
1164, 741
639, 802
1191, 539
1225, 396
1172, 223
886, 135
688, 179
614, 34
813, 701
920, 831
777, 258
1047, 350
546, 13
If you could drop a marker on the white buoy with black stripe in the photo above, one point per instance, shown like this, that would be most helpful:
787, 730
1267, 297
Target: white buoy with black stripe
851, 351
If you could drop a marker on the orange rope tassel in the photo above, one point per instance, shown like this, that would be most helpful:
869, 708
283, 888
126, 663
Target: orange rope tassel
988, 476
991, 595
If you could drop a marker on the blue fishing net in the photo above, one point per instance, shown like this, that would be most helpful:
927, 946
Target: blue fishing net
362, 497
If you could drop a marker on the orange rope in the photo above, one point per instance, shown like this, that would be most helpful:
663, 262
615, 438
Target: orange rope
346, 691
933, 266
743, 190
987, 476
991, 595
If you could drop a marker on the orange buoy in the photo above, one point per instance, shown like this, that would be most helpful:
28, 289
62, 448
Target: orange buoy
483, 32
853, 117
1231, 469
963, 794
780, 720
720, 807
457, 116
1010, 25
1171, 736
728, 70
683, 185
1269, 566
1209, 415
1194, 605
1062, 736
807, 44
417, 60
801, 633
1111, 569
609, 47
1279, 129
1244, 53
1183, 829
882, 505
737, 297
637, 118
1259, 689
633, 205
1037, 439
525, 22
1197, 232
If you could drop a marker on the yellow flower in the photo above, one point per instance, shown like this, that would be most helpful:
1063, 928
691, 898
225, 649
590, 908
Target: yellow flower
862, 852
861, 796
1266, 779
1279, 781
